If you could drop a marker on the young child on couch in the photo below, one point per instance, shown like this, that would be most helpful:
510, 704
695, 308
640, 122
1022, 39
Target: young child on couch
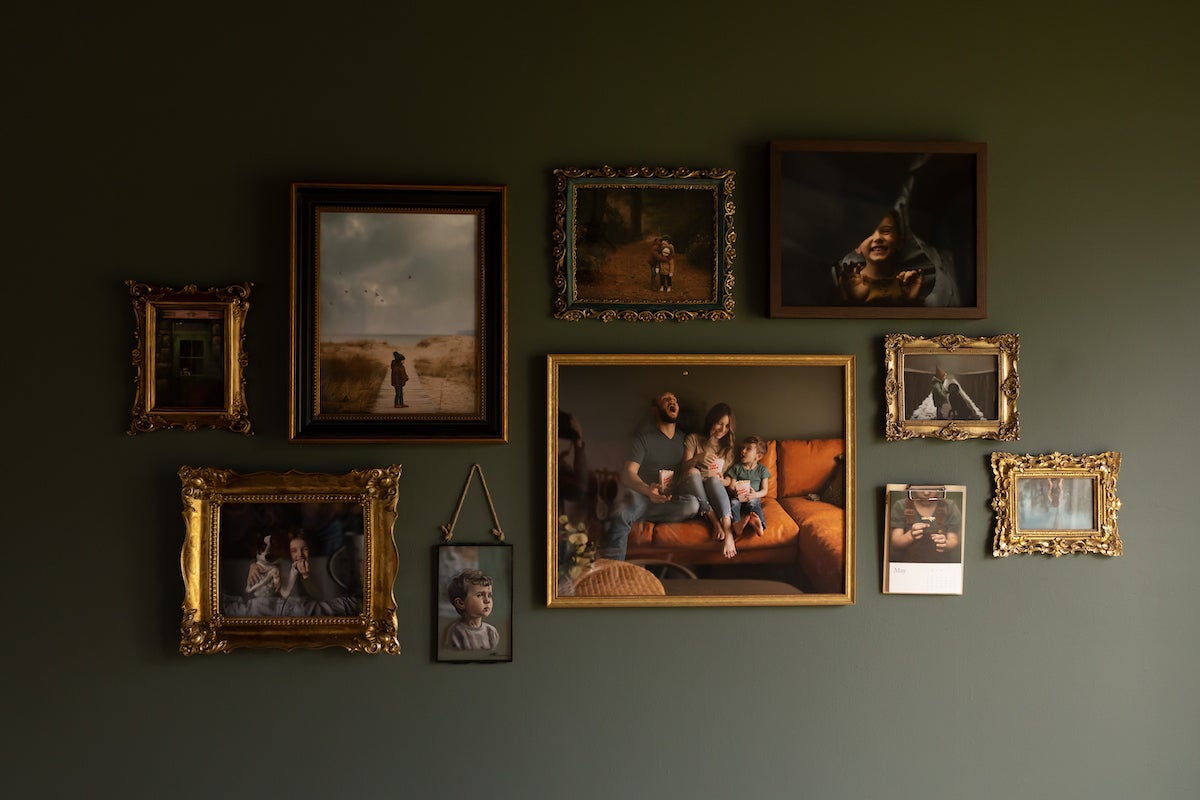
750, 481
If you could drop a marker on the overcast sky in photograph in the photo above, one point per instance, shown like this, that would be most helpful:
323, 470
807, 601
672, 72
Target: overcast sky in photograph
407, 273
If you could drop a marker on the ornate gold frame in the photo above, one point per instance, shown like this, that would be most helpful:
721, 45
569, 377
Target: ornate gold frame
1004, 348
566, 249
154, 351
760, 387
205, 629
1101, 469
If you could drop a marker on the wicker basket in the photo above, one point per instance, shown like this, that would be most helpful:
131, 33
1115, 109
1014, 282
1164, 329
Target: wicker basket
608, 578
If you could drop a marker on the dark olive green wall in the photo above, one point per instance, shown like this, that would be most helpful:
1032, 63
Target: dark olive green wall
157, 143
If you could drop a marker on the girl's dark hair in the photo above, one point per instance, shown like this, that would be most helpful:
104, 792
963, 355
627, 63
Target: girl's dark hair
714, 414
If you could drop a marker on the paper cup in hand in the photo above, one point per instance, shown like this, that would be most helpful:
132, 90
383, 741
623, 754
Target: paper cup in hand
665, 476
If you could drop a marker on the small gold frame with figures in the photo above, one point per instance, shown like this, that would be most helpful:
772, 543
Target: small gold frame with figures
289, 560
951, 387
643, 244
189, 357
1055, 504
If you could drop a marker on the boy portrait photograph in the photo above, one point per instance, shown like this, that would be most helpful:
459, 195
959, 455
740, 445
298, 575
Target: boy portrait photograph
473, 606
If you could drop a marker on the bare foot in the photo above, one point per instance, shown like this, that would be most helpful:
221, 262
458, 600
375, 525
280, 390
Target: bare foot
730, 549
756, 525
739, 527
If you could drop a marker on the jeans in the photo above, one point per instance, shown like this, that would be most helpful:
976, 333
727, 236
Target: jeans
709, 491
751, 506
632, 507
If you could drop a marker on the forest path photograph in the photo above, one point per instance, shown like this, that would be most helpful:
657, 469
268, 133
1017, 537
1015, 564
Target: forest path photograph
624, 272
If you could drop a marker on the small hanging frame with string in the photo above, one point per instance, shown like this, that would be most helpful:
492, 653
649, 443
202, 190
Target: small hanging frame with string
473, 586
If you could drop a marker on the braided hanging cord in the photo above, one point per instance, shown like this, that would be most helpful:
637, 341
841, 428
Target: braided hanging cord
448, 528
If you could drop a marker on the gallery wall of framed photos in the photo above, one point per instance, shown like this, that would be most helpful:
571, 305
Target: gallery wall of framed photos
937, 323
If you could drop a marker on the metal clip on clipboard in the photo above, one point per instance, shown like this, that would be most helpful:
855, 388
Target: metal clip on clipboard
938, 489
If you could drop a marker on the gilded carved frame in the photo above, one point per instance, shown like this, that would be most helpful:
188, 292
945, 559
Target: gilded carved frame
607, 222
190, 357
924, 397
1029, 486
223, 509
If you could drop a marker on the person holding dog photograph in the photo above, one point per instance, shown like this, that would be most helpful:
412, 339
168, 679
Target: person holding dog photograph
925, 527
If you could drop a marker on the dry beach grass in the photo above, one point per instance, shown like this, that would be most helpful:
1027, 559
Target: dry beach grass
353, 372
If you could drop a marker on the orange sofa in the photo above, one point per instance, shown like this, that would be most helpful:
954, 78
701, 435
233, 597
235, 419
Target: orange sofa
805, 519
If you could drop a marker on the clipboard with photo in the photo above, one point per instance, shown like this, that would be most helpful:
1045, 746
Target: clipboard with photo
923, 539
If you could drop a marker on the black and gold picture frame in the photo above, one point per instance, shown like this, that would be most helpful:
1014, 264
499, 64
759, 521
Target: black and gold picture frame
643, 244
398, 326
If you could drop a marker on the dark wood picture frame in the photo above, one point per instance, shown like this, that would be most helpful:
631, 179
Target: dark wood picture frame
926, 202
398, 284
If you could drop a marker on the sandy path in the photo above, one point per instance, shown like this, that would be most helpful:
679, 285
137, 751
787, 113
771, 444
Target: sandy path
424, 394
415, 395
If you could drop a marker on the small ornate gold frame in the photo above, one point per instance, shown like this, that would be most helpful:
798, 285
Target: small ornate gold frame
1018, 481
980, 373
604, 226
189, 357
206, 491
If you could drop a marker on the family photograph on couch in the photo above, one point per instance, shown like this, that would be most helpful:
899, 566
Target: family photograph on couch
694, 478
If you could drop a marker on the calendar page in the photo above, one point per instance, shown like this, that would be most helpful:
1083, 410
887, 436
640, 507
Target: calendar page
923, 538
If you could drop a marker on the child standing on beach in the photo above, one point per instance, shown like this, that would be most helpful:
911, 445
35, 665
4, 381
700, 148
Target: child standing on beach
399, 378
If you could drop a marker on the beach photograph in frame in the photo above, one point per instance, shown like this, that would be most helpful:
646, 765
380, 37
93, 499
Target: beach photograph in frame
190, 357
398, 328
923, 538
951, 387
878, 229
645, 244
473, 602
698, 480
289, 560
1054, 504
